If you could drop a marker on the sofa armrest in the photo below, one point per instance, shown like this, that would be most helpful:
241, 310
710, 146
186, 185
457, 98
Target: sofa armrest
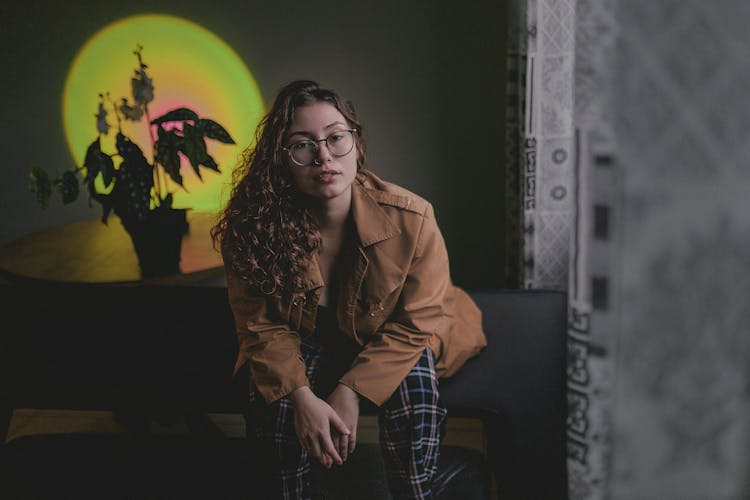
517, 385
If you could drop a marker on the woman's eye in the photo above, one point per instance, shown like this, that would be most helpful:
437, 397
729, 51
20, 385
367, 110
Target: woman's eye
335, 137
304, 145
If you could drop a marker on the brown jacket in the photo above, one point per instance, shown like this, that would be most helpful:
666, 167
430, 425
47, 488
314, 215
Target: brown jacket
397, 300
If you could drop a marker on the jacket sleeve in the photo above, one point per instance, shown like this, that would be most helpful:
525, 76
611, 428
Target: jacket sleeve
265, 341
396, 347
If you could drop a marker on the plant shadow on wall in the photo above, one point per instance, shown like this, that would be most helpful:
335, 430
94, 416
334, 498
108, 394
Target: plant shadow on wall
127, 184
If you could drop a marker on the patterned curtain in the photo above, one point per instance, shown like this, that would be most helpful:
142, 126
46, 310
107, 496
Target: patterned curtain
593, 284
547, 144
633, 179
515, 91
564, 137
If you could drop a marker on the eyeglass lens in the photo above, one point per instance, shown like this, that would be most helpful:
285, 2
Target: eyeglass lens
339, 143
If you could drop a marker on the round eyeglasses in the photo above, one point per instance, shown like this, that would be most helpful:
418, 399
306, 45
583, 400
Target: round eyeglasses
305, 153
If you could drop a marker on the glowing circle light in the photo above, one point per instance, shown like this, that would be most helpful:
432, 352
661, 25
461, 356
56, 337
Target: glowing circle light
190, 67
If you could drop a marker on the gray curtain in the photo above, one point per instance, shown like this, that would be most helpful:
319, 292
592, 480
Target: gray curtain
633, 194
682, 119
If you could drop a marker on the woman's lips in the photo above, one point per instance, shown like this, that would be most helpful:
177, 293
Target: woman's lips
326, 177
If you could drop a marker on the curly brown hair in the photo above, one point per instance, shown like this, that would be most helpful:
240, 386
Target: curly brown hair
267, 233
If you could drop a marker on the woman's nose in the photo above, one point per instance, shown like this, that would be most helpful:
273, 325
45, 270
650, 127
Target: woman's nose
323, 154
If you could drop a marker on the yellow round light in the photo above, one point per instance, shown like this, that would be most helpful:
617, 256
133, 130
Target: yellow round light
190, 67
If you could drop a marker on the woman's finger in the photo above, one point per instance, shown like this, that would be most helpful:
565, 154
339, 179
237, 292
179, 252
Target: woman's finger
326, 445
342, 446
307, 444
337, 443
313, 448
351, 443
340, 443
338, 424
316, 451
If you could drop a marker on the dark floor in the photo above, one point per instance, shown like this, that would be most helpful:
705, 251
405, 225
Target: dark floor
162, 466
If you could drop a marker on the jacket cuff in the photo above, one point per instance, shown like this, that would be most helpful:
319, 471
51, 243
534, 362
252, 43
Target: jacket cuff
375, 391
274, 390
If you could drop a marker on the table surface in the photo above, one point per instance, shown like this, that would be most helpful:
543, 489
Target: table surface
91, 252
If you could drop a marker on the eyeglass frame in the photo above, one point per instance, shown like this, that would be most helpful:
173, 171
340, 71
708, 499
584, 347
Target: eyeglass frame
316, 149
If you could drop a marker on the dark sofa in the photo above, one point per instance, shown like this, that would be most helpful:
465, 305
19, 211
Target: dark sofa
163, 352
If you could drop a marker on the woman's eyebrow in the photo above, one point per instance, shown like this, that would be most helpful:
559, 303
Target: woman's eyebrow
310, 134
301, 132
332, 124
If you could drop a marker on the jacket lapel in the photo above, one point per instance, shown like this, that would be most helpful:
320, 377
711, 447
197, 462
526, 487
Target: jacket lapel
372, 226
372, 223
313, 277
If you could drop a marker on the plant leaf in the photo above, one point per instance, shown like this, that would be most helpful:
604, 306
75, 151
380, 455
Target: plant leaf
142, 87
97, 162
91, 163
213, 130
131, 196
101, 120
194, 147
176, 115
209, 162
132, 113
104, 199
168, 146
40, 185
107, 168
68, 186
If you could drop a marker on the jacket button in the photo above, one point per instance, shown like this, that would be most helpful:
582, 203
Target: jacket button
372, 314
295, 303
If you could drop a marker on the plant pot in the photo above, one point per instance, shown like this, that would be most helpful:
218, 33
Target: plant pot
157, 240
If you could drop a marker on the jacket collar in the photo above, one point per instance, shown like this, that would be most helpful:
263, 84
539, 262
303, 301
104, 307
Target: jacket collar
372, 223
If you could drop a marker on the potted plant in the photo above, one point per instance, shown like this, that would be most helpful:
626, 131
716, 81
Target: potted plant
126, 183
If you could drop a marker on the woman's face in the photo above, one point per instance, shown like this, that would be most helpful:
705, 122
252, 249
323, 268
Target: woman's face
329, 177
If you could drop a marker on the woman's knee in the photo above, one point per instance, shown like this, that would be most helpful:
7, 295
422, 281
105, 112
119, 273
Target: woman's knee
418, 392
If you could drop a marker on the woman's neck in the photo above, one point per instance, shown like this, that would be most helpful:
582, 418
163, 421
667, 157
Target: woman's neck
333, 214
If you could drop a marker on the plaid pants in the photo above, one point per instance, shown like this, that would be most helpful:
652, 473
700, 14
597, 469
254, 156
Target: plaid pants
411, 422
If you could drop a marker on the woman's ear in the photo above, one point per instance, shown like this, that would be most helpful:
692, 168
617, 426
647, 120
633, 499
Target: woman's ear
360, 156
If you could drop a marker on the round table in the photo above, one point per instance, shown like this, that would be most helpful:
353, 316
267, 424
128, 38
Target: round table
91, 252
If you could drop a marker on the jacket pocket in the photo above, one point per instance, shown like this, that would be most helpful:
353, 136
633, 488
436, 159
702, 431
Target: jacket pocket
374, 310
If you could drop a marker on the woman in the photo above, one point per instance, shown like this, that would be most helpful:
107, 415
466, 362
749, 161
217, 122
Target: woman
341, 291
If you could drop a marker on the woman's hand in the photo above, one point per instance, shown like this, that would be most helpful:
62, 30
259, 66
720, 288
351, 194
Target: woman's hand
346, 403
314, 420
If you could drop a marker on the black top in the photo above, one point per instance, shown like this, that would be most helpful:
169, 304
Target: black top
338, 350
326, 322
